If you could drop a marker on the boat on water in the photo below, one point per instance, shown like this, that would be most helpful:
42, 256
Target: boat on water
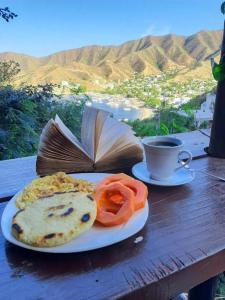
88, 103
115, 104
121, 108
97, 100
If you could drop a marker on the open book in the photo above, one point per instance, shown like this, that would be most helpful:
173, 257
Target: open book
106, 144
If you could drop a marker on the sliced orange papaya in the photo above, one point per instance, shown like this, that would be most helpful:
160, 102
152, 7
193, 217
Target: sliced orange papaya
112, 178
109, 206
112, 213
116, 198
139, 189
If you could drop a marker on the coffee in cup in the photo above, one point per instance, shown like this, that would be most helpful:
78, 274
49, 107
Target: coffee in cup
164, 156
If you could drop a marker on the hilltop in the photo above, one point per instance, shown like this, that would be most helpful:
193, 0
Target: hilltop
95, 65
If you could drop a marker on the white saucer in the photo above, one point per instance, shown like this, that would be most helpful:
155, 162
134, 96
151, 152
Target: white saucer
182, 176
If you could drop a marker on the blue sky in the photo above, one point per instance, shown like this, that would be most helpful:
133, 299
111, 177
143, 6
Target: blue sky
47, 26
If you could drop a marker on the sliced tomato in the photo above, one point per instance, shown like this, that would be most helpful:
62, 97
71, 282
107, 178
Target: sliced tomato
111, 212
112, 178
140, 191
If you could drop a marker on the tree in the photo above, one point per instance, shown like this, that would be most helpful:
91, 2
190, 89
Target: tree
25, 111
7, 14
78, 89
8, 69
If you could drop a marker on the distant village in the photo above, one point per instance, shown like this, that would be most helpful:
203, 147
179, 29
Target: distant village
142, 96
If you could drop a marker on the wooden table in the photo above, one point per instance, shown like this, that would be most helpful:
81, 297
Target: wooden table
183, 245
16, 173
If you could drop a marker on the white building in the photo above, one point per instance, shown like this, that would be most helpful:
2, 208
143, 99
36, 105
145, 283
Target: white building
205, 113
179, 101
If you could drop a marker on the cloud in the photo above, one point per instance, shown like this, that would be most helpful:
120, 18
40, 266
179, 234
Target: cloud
156, 30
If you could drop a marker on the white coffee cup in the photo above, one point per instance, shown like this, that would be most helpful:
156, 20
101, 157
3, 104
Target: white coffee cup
163, 156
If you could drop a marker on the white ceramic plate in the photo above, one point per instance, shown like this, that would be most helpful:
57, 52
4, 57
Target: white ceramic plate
182, 176
96, 237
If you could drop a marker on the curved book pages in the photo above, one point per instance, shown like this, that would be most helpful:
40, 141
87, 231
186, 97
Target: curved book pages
106, 144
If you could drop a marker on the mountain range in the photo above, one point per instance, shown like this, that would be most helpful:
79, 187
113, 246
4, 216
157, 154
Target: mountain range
93, 66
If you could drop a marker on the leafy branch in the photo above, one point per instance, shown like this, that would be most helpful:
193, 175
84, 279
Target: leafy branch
8, 69
7, 14
223, 8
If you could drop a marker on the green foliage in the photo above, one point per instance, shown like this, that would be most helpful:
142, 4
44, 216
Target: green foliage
164, 130
205, 125
78, 89
25, 111
168, 122
23, 114
153, 102
143, 128
194, 103
218, 70
8, 69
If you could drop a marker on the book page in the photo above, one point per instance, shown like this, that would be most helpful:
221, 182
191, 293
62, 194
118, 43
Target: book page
114, 135
47, 166
88, 130
59, 150
67, 133
121, 160
101, 118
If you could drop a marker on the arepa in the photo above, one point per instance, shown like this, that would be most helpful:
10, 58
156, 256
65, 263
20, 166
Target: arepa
54, 220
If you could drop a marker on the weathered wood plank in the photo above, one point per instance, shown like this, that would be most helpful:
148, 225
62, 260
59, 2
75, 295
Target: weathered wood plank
195, 141
183, 245
15, 174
